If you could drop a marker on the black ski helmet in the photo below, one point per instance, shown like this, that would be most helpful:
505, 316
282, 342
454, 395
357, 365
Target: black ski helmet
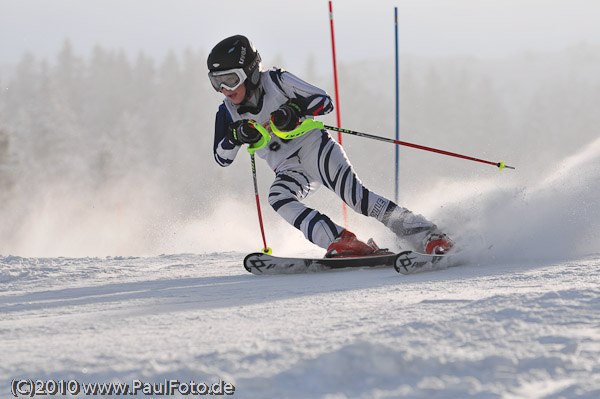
236, 52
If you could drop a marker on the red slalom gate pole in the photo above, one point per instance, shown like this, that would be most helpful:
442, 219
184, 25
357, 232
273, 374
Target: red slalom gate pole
337, 98
335, 79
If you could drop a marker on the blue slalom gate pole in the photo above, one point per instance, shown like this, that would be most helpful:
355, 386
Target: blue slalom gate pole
397, 108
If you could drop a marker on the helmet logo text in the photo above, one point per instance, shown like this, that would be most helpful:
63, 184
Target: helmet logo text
243, 56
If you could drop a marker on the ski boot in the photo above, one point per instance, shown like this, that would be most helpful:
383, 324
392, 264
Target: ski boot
348, 245
437, 243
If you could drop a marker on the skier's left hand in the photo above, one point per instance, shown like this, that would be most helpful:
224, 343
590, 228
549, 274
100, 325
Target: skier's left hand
287, 117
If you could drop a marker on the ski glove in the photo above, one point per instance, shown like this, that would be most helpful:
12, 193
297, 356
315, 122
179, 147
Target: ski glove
243, 132
287, 117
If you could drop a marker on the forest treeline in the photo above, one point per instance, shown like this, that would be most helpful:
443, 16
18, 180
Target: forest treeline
119, 129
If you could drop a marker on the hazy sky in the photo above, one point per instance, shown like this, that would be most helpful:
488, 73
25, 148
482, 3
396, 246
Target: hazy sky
293, 30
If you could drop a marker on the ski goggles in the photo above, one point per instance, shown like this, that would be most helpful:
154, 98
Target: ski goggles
230, 79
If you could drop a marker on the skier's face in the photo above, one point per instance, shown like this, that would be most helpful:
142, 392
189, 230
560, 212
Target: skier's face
236, 96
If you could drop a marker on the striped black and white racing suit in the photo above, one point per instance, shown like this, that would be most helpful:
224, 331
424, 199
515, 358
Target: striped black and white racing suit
305, 163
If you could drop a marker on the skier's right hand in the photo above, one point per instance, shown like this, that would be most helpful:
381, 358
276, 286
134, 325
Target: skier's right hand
243, 132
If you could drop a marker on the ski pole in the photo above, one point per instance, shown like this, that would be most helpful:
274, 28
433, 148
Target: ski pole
251, 149
500, 164
265, 249
310, 124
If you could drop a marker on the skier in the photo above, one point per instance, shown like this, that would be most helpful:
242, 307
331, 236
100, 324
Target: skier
304, 163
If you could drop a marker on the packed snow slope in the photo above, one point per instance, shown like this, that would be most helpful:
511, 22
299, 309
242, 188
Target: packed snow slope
513, 330
522, 320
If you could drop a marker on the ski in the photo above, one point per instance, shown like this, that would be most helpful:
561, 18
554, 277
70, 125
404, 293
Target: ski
260, 264
409, 262
406, 262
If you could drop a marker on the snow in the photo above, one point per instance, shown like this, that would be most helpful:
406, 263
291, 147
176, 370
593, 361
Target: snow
485, 330
520, 320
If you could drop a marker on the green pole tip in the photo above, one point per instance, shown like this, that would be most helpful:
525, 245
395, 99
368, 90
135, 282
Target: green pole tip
501, 165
